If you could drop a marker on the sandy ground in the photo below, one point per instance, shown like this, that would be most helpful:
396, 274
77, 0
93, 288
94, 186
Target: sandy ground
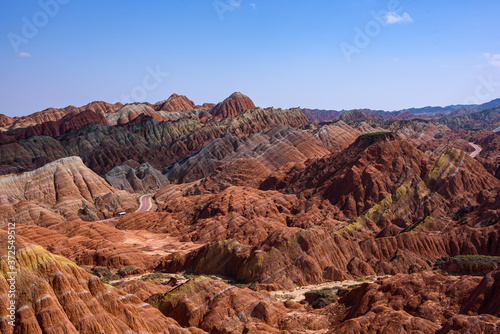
157, 243
180, 278
298, 293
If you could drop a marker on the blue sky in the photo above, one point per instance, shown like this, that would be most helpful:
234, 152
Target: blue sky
283, 53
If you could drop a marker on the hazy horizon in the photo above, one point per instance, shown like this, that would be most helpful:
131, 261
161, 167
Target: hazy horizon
256, 104
381, 55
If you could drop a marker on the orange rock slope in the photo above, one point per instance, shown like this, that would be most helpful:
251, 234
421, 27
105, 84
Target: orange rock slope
264, 202
65, 187
54, 294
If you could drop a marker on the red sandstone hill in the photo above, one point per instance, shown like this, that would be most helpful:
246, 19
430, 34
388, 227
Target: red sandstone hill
318, 115
376, 167
175, 103
405, 228
372, 168
490, 153
423, 302
5, 122
273, 148
68, 123
222, 207
55, 114
268, 201
160, 143
52, 293
352, 115
129, 112
337, 136
66, 187
232, 106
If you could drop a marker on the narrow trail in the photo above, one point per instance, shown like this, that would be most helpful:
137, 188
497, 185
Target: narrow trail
298, 293
180, 278
477, 149
145, 204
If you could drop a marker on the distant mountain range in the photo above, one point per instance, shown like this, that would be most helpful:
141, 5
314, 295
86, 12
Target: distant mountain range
488, 119
449, 109
319, 115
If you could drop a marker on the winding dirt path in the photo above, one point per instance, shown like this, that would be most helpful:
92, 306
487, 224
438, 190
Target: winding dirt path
298, 293
477, 149
145, 204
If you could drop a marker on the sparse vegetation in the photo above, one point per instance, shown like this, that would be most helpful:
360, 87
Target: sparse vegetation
156, 278
469, 264
241, 285
471, 259
105, 275
128, 271
343, 290
321, 298
284, 296
464, 211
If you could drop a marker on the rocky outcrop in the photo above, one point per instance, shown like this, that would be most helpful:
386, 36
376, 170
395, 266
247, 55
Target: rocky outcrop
141, 179
232, 106
272, 148
352, 115
5, 122
175, 103
78, 302
160, 142
490, 153
365, 173
87, 244
337, 136
221, 308
52, 293
240, 172
68, 123
403, 303
129, 112
101, 107
68, 187
383, 164
240, 213
318, 115
418, 209
426, 301
55, 114
271, 201
30, 154
485, 299
488, 119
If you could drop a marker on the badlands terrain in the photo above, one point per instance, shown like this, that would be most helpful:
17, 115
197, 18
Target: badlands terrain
229, 218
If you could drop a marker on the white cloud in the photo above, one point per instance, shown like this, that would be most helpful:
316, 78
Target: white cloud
253, 5
393, 18
24, 55
493, 59
234, 3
